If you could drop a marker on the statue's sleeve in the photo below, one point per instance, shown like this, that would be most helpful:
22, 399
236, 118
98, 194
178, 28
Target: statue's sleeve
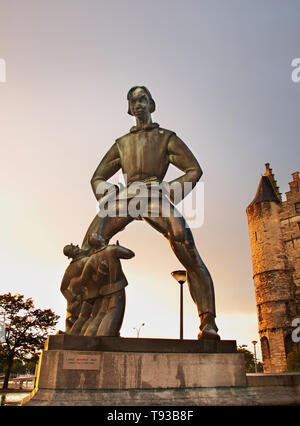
108, 166
85, 276
182, 158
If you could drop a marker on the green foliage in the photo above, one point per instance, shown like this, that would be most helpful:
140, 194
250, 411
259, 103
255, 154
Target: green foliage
18, 367
26, 329
249, 360
293, 360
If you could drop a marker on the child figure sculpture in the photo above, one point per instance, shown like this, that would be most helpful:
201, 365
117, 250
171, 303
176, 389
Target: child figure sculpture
102, 288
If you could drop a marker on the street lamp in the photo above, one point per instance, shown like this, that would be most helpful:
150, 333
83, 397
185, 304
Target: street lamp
2, 327
254, 342
180, 277
2, 332
138, 329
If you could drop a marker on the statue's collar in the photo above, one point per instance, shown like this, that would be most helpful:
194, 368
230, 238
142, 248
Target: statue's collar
151, 126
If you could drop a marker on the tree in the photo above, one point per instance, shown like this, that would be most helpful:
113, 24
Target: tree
26, 329
249, 360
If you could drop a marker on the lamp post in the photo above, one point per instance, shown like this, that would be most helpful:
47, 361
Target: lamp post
138, 329
2, 340
2, 332
254, 342
180, 277
2, 327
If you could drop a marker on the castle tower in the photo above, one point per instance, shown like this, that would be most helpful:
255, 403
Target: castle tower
272, 273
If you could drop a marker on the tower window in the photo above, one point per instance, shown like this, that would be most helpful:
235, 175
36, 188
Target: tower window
297, 207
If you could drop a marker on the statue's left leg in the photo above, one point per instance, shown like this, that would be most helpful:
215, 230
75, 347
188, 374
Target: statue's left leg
200, 283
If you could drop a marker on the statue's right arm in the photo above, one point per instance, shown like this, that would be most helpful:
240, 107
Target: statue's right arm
65, 282
84, 278
108, 166
64, 288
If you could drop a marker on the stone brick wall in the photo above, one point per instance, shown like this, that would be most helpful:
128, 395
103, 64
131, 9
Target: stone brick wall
290, 225
274, 232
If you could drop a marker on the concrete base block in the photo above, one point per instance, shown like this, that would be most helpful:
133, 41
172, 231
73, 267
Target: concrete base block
226, 396
117, 370
212, 373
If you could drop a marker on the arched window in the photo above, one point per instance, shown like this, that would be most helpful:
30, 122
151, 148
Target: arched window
265, 350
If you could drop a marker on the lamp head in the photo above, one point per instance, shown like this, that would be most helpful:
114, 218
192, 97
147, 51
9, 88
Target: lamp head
180, 276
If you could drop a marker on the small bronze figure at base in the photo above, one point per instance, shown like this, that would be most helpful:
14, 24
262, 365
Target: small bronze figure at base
96, 296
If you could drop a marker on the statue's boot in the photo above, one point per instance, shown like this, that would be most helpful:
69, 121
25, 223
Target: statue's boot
208, 328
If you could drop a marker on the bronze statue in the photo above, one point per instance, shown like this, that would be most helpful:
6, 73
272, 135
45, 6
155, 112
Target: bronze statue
74, 301
101, 288
144, 155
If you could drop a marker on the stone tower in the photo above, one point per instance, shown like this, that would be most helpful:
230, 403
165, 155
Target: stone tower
274, 231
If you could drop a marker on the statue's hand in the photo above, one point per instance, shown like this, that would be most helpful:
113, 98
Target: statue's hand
75, 298
105, 188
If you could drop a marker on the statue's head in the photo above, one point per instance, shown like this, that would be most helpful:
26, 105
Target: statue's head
71, 251
96, 241
140, 101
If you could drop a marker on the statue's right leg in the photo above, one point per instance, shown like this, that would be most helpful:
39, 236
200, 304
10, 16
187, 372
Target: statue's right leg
106, 226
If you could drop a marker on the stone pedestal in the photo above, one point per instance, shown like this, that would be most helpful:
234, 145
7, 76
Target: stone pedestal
78, 370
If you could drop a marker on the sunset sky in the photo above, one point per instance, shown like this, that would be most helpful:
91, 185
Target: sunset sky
220, 73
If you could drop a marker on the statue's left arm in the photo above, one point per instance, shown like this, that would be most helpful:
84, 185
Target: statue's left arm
181, 157
109, 165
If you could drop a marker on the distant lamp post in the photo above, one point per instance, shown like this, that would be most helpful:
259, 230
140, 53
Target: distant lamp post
2, 327
138, 329
254, 342
180, 277
2, 332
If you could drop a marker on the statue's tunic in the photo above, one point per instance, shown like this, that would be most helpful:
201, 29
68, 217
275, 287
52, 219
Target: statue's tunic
144, 154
